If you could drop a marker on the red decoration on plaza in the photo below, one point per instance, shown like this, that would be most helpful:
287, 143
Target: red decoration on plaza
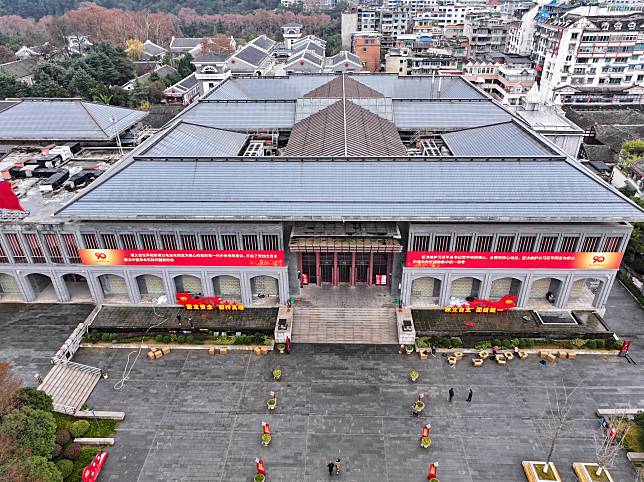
164, 257
8, 198
90, 473
260, 467
207, 303
433, 468
266, 428
484, 306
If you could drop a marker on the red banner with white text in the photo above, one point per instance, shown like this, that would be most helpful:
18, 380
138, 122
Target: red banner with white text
489, 260
144, 257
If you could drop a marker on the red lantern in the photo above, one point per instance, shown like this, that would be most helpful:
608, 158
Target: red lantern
346, 65
301, 62
260, 467
267, 428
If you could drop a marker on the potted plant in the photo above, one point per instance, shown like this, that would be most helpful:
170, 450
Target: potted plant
262, 478
277, 374
271, 403
409, 349
418, 407
433, 479
413, 375
425, 442
281, 347
266, 439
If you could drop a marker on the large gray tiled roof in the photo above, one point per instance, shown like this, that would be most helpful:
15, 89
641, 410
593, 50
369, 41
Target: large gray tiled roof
19, 68
191, 140
420, 114
242, 115
263, 42
360, 189
63, 119
498, 140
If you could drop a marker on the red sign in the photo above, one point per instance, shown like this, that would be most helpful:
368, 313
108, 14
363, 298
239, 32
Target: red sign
381, 279
490, 260
484, 306
626, 344
207, 303
305, 279
143, 257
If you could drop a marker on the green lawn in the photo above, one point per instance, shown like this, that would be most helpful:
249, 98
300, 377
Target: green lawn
105, 427
634, 441
538, 468
591, 471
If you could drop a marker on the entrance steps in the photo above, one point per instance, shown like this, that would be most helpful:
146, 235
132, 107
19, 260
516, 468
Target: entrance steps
70, 384
366, 325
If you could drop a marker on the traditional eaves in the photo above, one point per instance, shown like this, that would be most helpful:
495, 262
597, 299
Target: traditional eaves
343, 86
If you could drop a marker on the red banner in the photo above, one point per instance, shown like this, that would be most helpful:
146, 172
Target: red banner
489, 260
143, 257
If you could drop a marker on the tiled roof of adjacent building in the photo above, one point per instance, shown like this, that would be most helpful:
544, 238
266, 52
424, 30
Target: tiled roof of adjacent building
251, 55
183, 86
344, 129
19, 68
184, 43
63, 119
263, 42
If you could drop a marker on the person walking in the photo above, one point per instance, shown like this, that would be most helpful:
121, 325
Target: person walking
178, 319
451, 394
469, 396
330, 466
190, 322
338, 463
434, 351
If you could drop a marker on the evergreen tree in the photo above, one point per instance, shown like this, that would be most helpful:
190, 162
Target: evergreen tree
184, 67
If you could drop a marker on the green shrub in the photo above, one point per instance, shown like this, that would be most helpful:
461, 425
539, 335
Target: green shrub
62, 436
158, 338
106, 337
445, 342
420, 343
616, 344
515, 342
66, 467
591, 344
639, 420
181, 339
522, 343
601, 344
166, 339
456, 342
191, 339
72, 451
578, 343
36, 399
173, 338
79, 428
483, 345
39, 468
58, 449
506, 344
496, 342
529, 342
31, 429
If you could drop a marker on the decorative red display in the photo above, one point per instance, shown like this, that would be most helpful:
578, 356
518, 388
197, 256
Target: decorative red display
8, 198
484, 306
90, 473
144, 257
207, 303
491, 260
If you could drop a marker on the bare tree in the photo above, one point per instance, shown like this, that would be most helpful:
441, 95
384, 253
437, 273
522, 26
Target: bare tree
560, 402
9, 387
609, 443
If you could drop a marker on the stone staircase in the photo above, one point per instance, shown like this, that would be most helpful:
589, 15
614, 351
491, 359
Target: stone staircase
366, 325
70, 384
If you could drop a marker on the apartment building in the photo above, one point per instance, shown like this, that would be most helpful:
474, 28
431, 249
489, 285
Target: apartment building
591, 47
487, 31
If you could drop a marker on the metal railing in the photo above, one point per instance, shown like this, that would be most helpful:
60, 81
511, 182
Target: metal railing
79, 366
68, 349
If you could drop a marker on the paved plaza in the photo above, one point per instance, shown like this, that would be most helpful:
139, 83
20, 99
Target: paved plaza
191, 417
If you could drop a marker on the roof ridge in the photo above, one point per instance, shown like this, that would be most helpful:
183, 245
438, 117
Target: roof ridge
82, 103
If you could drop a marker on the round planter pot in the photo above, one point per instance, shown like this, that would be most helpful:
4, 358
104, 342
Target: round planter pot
409, 350
271, 406
281, 347
425, 442
266, 441
259, 478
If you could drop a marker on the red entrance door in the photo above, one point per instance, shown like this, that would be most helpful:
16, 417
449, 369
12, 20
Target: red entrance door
344, 267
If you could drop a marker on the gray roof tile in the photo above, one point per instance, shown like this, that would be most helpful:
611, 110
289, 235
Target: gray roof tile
337, 189
447, 114
190, 140
242, 115
500, 140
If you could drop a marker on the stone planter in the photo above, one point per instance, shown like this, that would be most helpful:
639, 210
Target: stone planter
277, 375
534, 471
418, 407
271, 404
281, 347
425, 442
583, 472
259, 478
266, 439
413, 376
409, 349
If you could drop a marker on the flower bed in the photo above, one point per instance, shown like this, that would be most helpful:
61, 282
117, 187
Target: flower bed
199, 339
586, 472
534, 472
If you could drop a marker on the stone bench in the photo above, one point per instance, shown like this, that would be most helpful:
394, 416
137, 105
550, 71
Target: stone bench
95, 441
100, 415
617, 412
635, 456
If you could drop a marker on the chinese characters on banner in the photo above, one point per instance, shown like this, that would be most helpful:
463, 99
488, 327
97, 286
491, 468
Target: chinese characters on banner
144, 257
207, 303
491, 260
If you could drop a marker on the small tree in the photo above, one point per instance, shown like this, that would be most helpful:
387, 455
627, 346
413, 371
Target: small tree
134, 48
31, 429
9, 388
608, 445
560, 402
184, 67
217, 44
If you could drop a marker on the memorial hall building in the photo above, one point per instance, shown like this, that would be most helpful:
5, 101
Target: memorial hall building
268, 188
